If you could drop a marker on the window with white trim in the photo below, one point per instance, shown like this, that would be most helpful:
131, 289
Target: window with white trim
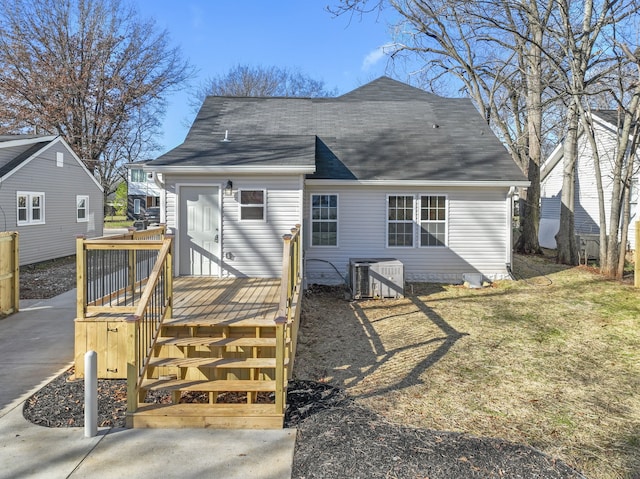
400, 220
136, 206
138, 175
324, 220
82, 208
30, 208
433, 220
252, 205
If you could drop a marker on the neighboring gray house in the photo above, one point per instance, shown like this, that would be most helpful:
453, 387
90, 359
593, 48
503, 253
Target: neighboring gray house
587, 216
142, 190
47, 195
385, 171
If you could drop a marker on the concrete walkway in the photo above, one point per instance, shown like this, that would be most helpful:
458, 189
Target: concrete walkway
36, 345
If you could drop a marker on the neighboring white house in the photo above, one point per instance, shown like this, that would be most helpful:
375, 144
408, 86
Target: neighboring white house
142, 190
587, 216
47, 195
385, 171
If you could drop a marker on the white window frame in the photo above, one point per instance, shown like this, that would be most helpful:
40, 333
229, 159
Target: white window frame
139, 173
262, 205
324, 220
86, 208
412, 221
424, 221
30, 195
137, 206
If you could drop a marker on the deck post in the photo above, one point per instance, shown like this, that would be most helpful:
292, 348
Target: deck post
81, 275
169, 278
132, 324
131, 265
280, 321
285, 281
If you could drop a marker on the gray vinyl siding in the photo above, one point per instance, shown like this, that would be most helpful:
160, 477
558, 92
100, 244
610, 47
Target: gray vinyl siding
249, 248
60, 185
477, 239
586, 214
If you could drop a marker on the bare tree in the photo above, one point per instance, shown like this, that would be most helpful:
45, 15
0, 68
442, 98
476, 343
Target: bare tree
245, 80
84, 69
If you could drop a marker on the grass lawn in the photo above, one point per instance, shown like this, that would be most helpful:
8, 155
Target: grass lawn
117, 222
551, 360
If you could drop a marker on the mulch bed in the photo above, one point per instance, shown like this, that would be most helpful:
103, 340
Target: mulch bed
336, 437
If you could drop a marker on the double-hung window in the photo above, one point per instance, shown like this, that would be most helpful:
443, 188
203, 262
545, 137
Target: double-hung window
433, 220
138, 175
324, 220
30, 208
252, 205
82, 208
400, 220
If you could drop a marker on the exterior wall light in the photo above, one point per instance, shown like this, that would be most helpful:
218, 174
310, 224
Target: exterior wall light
228, 188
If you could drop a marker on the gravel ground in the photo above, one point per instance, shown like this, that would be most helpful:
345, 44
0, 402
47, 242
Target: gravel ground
336, 438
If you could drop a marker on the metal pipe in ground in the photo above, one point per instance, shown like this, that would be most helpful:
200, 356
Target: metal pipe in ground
90, 394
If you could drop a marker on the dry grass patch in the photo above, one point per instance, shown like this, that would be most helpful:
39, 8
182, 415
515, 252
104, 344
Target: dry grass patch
551, 361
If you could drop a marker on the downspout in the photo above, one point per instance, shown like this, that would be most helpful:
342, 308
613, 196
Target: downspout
509, 259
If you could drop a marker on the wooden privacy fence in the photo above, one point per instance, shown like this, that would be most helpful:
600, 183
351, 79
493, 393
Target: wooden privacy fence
9, 273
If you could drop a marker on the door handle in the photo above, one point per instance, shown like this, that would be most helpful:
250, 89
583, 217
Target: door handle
215, 238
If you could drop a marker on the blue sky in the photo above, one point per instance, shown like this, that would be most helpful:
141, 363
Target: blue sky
216, 35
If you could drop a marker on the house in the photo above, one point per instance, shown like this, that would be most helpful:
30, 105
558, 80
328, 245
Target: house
587, 216
47, 195
142, 190
384, 171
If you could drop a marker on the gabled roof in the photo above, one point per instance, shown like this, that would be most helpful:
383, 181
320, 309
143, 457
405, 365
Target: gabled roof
25, 148
384, 130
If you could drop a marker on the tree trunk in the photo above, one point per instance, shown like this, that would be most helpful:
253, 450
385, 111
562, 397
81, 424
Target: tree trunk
567, 251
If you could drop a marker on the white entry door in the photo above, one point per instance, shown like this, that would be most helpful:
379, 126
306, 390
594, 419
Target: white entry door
199, 230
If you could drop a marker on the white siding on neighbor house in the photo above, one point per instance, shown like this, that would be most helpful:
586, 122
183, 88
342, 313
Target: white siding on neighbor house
587, 217
60, 185
249, 248
477, 242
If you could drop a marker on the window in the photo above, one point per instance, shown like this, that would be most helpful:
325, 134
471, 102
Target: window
30, 208
252, 205
59, 159
433, 220
138, 175
136, 206
324, 220
400, 221
82, 208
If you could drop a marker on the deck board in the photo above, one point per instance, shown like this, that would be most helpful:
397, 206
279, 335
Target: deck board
203, 301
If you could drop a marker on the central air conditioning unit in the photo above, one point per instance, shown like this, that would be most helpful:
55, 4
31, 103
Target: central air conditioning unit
376, 278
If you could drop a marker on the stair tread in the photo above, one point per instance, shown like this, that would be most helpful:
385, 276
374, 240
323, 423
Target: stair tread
209, 386
218, 409
217, 341
214, 362
220, 321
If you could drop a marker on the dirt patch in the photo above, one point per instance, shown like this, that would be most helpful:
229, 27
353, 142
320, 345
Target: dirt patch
48, 279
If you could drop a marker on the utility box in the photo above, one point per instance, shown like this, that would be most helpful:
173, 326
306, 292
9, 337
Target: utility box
376, 278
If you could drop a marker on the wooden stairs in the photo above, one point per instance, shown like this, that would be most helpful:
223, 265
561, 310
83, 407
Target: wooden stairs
220, 374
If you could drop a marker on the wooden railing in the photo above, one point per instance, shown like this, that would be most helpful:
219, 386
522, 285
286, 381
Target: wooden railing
9, 273
288, 317
144, 325
113, 270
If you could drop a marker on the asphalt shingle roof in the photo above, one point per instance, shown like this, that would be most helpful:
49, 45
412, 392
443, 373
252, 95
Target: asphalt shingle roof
384, 130
23, 156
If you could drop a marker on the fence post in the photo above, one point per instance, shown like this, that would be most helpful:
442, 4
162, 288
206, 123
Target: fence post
16, 272
81, 276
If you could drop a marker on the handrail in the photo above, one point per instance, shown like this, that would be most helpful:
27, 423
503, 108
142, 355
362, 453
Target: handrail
111, 270
287, 318
144, 325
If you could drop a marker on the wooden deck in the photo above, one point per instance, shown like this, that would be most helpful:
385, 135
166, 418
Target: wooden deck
208, 301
